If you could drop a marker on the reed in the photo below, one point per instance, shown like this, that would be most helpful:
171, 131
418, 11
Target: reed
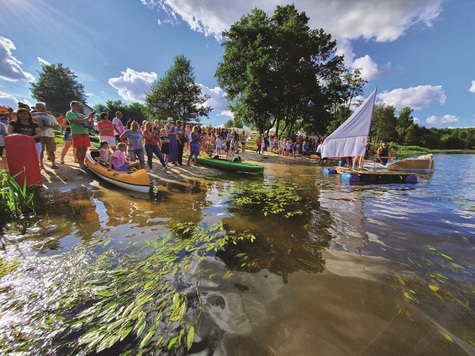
17, 202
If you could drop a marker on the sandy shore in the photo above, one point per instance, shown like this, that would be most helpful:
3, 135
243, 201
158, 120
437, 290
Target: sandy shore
69, 177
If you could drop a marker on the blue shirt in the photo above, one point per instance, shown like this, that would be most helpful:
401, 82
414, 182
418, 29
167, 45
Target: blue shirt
135, 138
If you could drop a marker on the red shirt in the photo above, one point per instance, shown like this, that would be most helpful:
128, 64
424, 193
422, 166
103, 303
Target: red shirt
105, 124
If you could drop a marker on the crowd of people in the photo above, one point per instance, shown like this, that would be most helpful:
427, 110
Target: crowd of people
124, 147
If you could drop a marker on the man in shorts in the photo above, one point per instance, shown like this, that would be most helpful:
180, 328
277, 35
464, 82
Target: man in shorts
79, 124
47, 124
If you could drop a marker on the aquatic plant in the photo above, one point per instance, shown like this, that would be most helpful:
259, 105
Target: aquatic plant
279, 199
129, 304
16, 202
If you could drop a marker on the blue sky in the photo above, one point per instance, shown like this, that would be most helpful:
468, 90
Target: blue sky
418, 53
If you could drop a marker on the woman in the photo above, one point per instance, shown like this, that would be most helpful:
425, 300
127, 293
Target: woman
195, 143
24, 125
106, 130
152, 146
133, 138
172, 136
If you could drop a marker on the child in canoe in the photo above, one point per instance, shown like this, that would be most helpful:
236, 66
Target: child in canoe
118, 161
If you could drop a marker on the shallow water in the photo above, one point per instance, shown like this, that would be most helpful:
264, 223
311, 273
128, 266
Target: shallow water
367, 269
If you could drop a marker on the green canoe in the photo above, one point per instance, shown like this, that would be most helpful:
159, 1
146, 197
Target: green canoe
235, 166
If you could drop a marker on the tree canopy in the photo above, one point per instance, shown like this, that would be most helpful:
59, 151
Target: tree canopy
57, 86
177, 95
277, 71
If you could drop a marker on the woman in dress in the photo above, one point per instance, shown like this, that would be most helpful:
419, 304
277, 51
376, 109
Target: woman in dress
195, 144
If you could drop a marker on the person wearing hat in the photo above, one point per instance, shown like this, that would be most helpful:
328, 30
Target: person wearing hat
172, 136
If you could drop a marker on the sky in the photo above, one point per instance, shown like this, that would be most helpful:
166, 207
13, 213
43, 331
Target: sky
417, 53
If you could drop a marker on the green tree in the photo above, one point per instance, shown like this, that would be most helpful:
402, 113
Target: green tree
279, 72
135, 111
383, 127
177, 95
57, 86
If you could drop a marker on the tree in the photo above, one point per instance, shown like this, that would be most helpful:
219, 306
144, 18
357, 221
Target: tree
383, 127
279, 72
57, 86
177, 95
134, 111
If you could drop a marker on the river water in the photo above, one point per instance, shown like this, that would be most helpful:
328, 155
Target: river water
365, 270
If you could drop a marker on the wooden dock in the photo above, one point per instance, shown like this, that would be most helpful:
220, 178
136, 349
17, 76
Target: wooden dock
349, 175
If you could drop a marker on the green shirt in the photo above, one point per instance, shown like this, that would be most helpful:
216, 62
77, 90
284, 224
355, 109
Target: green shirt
76, 129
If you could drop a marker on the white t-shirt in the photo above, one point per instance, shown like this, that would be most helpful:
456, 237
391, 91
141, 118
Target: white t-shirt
118, 126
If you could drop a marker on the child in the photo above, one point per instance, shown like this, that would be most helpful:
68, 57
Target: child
219, 144
118, 161
104, 151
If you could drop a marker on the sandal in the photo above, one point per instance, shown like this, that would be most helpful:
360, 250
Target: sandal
42, 167
61, 162
55, 167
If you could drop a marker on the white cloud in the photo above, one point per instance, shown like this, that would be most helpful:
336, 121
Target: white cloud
369, 68
43, 61
384, 20
217, 100
435, 120
10, 67
8, 100
132, 85
472, 88
416, 97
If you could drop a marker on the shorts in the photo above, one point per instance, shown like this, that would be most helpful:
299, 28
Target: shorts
137, 154
67, 136
48, 144
81, 141
109, 139
122, 168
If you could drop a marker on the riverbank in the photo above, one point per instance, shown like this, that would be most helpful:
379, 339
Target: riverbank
70, 177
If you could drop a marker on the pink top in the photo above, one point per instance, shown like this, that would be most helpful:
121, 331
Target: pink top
118, 159
105, 124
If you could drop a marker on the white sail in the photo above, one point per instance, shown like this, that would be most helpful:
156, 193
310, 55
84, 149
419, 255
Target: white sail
351, 137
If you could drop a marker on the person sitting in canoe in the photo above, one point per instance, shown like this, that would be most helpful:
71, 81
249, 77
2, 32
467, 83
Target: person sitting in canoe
104, 153
118, 161
384, 153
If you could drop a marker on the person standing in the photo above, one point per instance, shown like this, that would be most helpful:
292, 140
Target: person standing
173, 146
3, 133
181, 139
24, 125
133, 138
106, 130
68, 140
195, 144
152, 147
79, 124
47, 125
118, 125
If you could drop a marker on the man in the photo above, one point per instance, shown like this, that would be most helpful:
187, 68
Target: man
118, 125
79, 124
384, 153
47, 125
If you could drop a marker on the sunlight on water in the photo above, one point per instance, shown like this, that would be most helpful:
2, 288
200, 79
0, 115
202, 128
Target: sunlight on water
365, 269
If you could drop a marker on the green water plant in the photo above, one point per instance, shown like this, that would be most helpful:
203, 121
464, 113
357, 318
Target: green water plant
17, 202
136, 303
268, 199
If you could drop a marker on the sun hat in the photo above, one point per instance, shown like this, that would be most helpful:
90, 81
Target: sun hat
170, 119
